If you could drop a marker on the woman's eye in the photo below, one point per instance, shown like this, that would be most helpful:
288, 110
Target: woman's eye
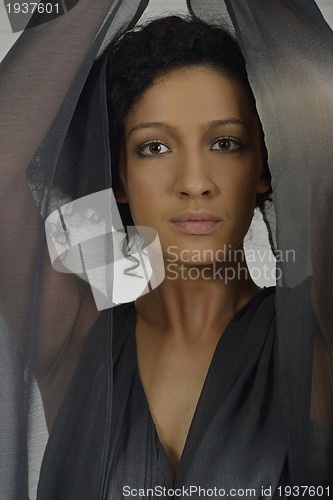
153, 149
227, 144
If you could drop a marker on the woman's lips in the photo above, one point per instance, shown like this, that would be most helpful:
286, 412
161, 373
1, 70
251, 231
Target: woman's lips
196, 222
197, 226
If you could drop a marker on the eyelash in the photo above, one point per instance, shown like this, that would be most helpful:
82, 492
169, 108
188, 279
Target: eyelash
240, 145
141, 147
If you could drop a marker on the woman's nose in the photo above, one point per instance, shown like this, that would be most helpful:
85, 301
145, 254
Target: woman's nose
194, 177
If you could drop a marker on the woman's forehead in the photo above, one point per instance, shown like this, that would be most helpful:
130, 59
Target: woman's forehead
197, 95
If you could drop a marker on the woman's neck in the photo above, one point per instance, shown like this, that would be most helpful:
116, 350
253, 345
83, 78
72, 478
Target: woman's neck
194, 301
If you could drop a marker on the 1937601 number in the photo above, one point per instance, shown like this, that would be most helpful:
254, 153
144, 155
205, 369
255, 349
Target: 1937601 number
302, 491
31, 7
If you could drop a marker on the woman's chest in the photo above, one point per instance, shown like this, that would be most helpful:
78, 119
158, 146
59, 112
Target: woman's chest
172, 379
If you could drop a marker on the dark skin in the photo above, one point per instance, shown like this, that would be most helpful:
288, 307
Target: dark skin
192, 143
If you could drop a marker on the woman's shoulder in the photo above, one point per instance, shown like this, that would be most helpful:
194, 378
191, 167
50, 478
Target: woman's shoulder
112, 327
263, 303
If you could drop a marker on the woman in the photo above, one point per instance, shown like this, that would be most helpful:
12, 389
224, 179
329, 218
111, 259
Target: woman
190, 148
192, 163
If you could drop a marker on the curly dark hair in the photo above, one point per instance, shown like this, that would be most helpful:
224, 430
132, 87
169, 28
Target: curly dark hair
137, 57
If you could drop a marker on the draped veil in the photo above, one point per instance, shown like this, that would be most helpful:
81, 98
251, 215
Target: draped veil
54, 134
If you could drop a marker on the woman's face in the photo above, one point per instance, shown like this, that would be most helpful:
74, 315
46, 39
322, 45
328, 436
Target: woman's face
192, 162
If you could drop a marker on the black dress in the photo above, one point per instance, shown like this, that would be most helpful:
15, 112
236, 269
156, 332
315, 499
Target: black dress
239, 408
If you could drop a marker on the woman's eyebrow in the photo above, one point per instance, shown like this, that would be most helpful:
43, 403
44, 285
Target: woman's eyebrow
227, 121
145, 125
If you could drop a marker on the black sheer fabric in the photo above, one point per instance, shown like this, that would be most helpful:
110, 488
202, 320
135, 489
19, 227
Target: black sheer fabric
53, 132
135, 456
